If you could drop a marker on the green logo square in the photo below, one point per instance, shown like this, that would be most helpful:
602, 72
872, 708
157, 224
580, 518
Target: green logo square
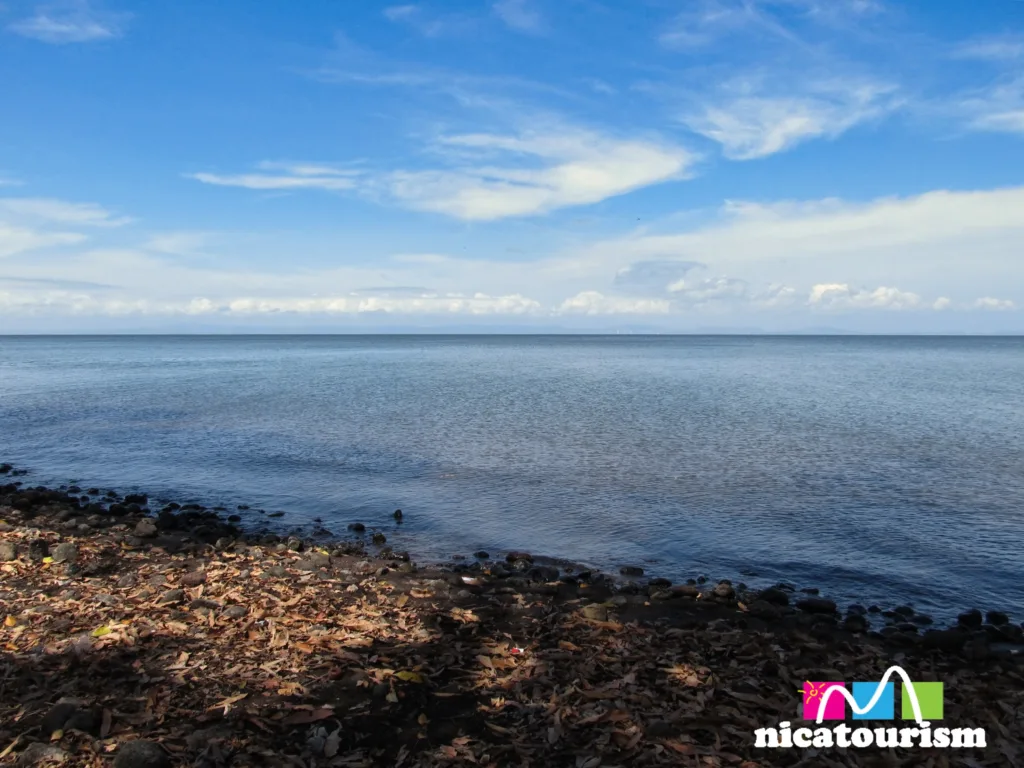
929, 699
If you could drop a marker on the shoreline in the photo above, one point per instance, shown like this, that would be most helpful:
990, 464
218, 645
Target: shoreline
79, 578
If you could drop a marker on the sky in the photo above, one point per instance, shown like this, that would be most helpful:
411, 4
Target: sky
518, 165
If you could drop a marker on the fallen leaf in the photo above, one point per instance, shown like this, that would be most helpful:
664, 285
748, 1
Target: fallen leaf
100, 631
308, 716
10, 621
409, 677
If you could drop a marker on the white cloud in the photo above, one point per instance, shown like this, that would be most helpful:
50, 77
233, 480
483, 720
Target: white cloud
18, 239
426, 24
302, 178
998, 109
518, 15
596, 303
575, 168
842, 296
43, 209
997, 48
941, 303
990, 303
750, 126
72, 21
81, 303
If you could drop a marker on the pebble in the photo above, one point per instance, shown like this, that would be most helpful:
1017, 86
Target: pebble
157, 580
235, 612
295, 544
193, 579
172, 597
8, 551
42, 754
146, 528
141, 754
724, 591
775, 596
631, 570
108, 600
379, 538
659, 582
482, 555
356, 527
277, 571
127, 581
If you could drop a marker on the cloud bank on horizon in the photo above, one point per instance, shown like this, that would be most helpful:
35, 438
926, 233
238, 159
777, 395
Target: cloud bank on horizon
778, 164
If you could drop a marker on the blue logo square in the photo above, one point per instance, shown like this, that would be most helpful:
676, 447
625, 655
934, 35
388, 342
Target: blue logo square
884, 706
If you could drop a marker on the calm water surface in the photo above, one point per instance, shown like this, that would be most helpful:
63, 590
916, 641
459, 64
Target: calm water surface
879, 469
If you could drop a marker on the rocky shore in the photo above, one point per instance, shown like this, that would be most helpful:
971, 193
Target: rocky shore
137, 635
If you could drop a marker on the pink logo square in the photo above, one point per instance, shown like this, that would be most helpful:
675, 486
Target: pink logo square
814, 695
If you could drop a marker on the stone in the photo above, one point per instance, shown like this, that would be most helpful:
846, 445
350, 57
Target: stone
904, 610
595, 612
127, 581
304, 565
157, 580
37, 550
659, 582
818, 605
398, 515
172, 597
406, 568
65, 553
193, 579
723, 591
855, 622
276, 571
971, 618
856, 610
810, 591
514, 556
997, 618
235, 612
775, 596
482, 554
8, 551
146, 528
762, 609
57, 717
42, 754
685, 590
379, 538
141, 754
136, 498
108, 600
356, 527
631, 570
295, 544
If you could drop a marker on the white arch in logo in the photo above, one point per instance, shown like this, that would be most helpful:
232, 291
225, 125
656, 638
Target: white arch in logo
841, 690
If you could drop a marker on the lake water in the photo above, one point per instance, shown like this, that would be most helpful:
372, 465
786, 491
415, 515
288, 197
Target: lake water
884, 469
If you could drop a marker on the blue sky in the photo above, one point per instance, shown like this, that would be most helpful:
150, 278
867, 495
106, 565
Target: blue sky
520, 164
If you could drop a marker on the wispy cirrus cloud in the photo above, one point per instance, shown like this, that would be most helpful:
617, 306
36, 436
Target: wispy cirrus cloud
998, 108
750, 123
33, 223
72, 21
285, 177
991, 48
520, 15
426, 23
495, 176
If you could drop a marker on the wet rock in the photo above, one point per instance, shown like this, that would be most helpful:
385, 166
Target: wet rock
5, 468
855, 622
684, 590
117, 510
8, 551
946, 639
482, 554
762, 609
997, 618
193, 579
136, 498
146, 528
856, 610
631, 570
921, 619
295, 544
398, 515
544, 573
42, 754
775, 596
816, 605
356, 527
235, 612
37, 550
723, 591
379, 538
141, 754
276, 514
234, 518
971, 618
811, 591
659, 582
172, 597
514, 557
904, 610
